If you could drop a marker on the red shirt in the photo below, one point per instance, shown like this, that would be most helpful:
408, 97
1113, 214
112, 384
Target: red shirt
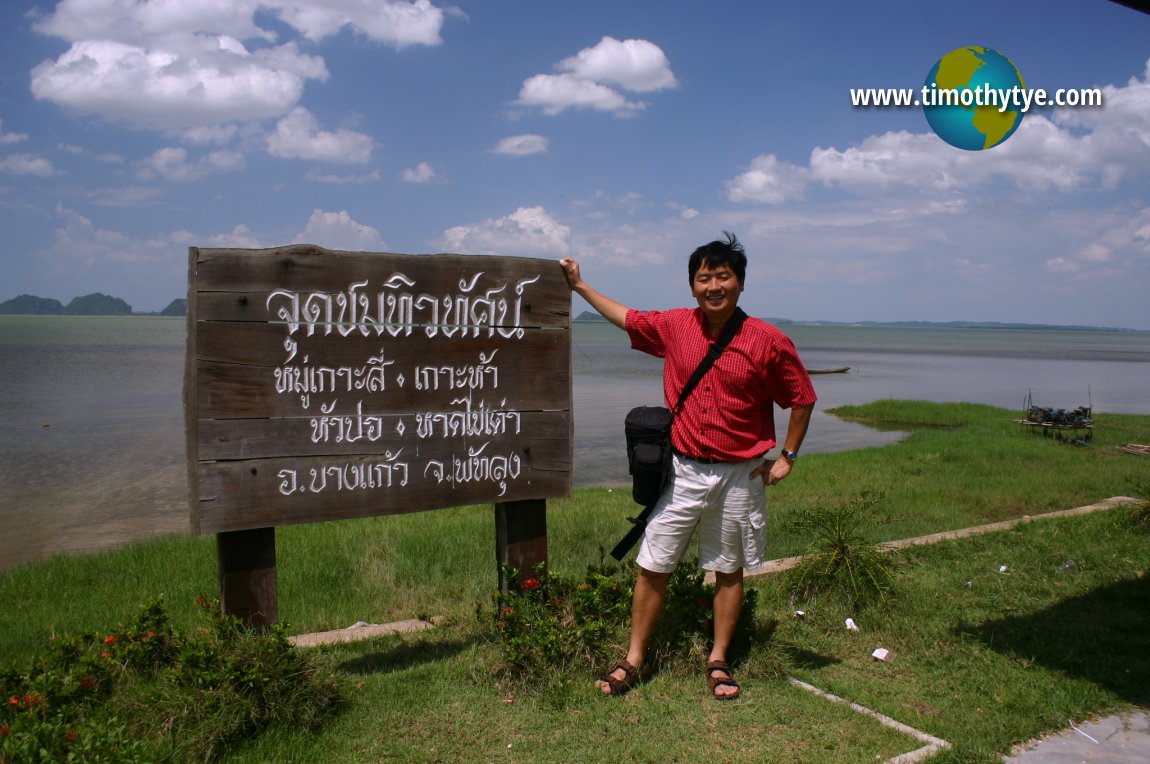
730, 414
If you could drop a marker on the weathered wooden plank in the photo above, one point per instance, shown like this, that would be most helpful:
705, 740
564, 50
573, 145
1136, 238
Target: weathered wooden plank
250, 494
248, 277
246, 392
262, 344
230, 439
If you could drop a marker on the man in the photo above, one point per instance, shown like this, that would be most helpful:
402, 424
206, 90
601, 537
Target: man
720, 436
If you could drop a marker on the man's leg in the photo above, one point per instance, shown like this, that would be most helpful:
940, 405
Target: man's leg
646, 607
728, 604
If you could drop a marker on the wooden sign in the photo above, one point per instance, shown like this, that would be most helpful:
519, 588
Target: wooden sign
326, 385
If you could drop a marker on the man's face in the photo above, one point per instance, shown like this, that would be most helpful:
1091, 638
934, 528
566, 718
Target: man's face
717, 291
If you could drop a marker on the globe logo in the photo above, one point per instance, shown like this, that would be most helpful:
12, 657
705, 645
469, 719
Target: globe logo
969, 98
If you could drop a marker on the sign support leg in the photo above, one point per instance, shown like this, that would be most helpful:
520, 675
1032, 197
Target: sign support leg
520, 538
246, 567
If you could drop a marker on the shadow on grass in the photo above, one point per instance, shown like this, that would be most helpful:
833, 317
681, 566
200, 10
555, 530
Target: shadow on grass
1102, 636
404, 655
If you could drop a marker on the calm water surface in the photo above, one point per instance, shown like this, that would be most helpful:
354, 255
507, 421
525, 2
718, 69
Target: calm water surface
91, 413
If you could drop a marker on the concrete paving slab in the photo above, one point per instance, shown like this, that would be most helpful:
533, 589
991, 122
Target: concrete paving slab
1118, 739
363, 631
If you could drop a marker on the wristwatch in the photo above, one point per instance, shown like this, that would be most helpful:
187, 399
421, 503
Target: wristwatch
791, 456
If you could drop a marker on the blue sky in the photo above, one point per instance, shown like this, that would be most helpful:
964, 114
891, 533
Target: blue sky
622, 133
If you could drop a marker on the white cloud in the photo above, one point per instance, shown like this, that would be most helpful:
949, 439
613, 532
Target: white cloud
421, 173
211, 135
193, 83
768, 181
586, 79
527, 232
178, 64
26, 164
521, 145
394, 22
337, 230
7, 139
298, 136
636, 65
172, 164
240, 237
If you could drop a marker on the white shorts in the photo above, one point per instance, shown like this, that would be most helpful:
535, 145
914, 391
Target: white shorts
728, 506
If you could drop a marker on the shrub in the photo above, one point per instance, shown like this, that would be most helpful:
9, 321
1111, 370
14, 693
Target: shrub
842, 563
550, 625
143, 692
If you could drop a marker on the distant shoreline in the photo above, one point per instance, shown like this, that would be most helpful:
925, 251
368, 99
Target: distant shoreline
589, 317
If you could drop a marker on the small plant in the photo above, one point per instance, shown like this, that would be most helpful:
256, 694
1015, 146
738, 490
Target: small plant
143, 692
1139, 514
841, 562
550, 624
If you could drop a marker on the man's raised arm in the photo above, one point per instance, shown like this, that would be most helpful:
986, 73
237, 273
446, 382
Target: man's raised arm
614, 312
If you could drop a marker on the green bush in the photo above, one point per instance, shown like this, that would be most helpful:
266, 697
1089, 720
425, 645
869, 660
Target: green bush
143, 692
842, 562
551, 625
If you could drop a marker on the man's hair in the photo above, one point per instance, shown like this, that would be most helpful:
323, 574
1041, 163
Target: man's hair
717, 254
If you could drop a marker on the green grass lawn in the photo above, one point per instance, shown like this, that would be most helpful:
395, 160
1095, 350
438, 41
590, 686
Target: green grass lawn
983, 658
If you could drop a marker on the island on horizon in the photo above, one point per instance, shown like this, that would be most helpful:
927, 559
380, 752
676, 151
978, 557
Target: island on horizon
95, 304
589, 316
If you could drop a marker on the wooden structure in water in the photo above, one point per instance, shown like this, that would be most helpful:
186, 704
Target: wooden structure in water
1075, 426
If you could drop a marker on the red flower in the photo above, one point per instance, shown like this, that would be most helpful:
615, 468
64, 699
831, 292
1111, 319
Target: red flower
13, 701
110, 639
531, 583
70, 736
5, 730
87, 683
105, 655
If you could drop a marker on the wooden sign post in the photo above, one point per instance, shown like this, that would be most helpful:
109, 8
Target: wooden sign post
326, 385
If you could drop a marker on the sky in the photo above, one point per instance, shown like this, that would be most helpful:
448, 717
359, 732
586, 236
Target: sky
623, 134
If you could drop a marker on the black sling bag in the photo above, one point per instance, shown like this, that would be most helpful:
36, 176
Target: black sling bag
648, 431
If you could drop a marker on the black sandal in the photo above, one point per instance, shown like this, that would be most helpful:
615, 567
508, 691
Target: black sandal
713, 681
621, 686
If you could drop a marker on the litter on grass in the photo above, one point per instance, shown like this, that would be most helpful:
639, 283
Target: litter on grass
851, 625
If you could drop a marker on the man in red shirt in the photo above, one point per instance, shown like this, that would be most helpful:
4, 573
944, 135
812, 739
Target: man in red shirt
720, 436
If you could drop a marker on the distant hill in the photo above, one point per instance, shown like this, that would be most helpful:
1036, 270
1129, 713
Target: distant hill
177, 307
98, 304
589, 316
95, 304
31, 305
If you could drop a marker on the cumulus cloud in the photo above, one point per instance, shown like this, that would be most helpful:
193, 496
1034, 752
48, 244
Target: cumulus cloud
636, 65
192, 82
7, 139
337, 230
588, 80
27, 164
421, 173
173, 164
174, 64
298, 136
521, 145
768, 181
527, 232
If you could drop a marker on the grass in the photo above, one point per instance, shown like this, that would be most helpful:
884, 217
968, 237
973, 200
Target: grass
983, 658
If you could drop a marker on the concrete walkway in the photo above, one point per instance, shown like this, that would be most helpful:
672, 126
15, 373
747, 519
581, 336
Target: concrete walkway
1118, 739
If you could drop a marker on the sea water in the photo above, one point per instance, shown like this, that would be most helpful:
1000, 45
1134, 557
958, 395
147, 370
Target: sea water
92, 449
